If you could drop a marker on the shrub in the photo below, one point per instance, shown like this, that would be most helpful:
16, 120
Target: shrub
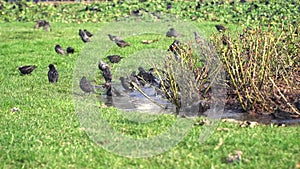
262, 66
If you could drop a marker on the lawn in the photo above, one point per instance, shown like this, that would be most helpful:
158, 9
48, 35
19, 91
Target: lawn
46, 133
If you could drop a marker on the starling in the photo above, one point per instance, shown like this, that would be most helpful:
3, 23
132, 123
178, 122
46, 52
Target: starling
107, 75
86, 86
133, 78
175, 47
172, 33
89, 34
169, 6
113, 38
52, 74
225, 40
26, 69
121, 43
47, 26
220, 28
197, 37
59, 50
144, 76
125, 83
102, 65
84, 37
114, 58
297, 104
42, 23
70, 50
109, 89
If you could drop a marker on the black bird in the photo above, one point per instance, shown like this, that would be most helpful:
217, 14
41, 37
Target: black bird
114, 58
59, 49
42, 23
102, 65
109, 89
113, 38
169, 6
86, 86
107, 75
225, 40
125, 83
297, 104
176, 48
84, 37
133, 78
220, 28
70, 50
197, 37
52, 74
146, 77
26, 69
121, 43
172, 33
47, 27
89, 34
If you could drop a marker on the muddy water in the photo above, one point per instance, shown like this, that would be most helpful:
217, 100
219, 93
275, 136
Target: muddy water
136, 102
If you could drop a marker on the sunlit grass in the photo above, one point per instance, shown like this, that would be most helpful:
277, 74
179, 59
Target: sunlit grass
45, 132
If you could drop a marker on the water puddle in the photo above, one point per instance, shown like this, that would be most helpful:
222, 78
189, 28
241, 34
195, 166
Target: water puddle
136, 102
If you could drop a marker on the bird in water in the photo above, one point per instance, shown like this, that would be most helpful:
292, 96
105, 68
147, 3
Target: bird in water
114, 58
52, 74
104, 67
121, 43
172, 33
125, 83
146, 77
86, 86
26, 69
59, 49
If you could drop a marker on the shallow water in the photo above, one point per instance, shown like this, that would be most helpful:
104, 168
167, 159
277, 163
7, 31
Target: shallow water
137, 102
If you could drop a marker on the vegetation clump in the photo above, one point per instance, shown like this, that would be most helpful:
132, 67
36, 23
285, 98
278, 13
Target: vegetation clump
262, 65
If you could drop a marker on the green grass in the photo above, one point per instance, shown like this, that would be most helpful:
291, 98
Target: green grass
45, 132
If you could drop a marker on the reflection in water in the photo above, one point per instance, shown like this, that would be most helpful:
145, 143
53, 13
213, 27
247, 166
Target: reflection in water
136, 102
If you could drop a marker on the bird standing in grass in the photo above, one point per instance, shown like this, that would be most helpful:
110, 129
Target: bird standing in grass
42, 23
86, 86
59, 49
70, 50
84, 37
220, 28
113, 38
26, 69
121, 43
197, 37
52, 74
172, 33
89, 34
102, 65
114, 58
